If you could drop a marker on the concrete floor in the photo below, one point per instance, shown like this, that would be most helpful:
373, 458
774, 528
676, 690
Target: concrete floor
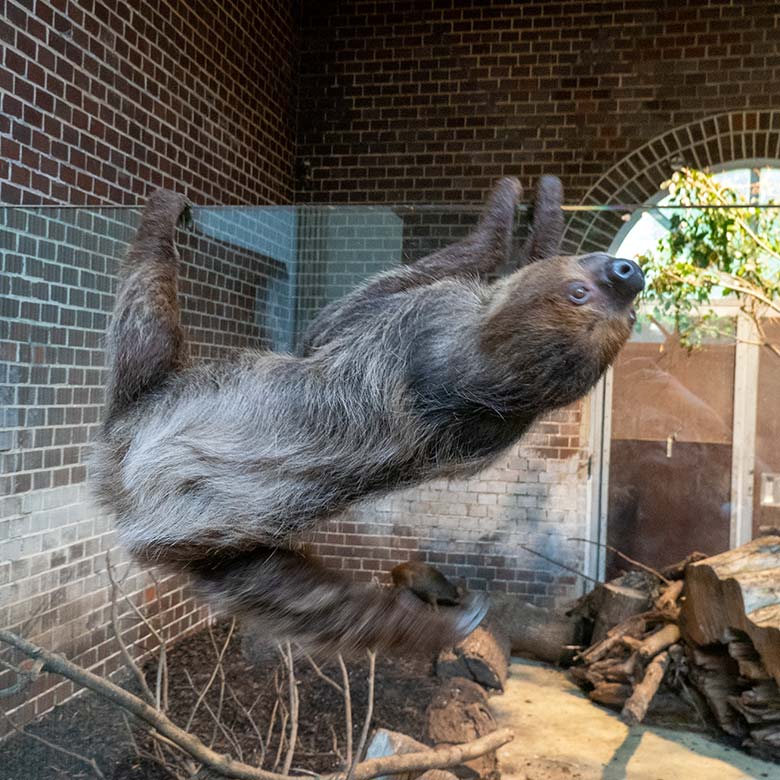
562, 735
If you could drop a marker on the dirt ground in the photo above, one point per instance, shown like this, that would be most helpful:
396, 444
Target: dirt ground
97, 730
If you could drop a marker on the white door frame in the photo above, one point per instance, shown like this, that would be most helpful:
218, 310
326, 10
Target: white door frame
742, 451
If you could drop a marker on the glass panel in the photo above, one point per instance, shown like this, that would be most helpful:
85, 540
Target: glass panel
670, 451
766, 497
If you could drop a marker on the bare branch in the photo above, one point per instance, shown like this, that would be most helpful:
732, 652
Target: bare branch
562, 565
294, 701
369, 713
213, 676
164, 729
347, 707
26, 676
617, 552
128, 659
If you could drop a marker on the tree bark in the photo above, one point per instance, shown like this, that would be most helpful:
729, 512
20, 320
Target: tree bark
459, 708
637, 705
738, 589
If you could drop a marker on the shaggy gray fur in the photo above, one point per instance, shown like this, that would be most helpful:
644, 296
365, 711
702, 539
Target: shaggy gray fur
424, 372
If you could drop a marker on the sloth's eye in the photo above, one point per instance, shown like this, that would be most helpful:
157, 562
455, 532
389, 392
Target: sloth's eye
579, 293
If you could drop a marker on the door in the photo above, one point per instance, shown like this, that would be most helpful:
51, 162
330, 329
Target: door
669, 474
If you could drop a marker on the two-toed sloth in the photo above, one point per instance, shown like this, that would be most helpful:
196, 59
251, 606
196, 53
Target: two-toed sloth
425, 371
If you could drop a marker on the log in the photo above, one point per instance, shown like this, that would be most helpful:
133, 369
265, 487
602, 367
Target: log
617, 670
660, 640
459, 709
667, 601
543, 634
610, 694
437, 774
449, 665
737, 590
716, 676
392, 743
638, 703
614, 604
749, 661
485, 652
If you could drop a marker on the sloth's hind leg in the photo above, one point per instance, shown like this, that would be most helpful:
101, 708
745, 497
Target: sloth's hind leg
289, 596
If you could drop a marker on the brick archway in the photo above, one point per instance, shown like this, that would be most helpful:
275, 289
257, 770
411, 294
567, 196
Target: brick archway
716, 140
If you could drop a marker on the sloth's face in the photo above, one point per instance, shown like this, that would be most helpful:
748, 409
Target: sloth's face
588, 301
582, 306
607, 284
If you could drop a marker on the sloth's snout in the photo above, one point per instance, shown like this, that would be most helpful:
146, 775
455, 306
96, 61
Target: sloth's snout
625, 276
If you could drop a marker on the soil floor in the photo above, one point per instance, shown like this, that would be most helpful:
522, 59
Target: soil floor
562, 735
97, 730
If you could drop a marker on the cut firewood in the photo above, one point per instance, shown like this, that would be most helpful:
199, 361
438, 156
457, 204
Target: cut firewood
616, 670
615, 604
760, 704
610, 694
631, 643
738, 589
637, 705
660, 640
667, 601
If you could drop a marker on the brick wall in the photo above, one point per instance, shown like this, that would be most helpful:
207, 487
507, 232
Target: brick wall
430, 100
100, 102
103, 99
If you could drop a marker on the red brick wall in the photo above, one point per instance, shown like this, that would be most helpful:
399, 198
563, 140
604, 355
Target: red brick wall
103, 99
429, 100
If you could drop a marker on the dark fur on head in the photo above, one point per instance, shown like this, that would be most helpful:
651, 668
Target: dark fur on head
424, 371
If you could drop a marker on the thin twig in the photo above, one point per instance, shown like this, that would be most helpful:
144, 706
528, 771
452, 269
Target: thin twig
248, 716
369, 714
638, 564
347, 707
213, 676
324, 677
562, 565
129, 660
25, 677
161, 688
90, 762
294, 701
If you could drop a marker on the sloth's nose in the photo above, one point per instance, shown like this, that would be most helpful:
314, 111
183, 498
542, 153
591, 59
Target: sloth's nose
625, 276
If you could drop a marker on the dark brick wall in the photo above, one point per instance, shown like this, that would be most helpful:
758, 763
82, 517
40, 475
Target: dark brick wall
103, 99
430, 100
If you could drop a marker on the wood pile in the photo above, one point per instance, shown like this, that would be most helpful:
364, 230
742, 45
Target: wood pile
707, 629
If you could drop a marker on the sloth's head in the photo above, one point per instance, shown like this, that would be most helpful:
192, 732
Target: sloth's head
561, 320
581, 307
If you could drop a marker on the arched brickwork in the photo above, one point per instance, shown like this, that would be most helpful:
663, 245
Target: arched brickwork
715, 140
